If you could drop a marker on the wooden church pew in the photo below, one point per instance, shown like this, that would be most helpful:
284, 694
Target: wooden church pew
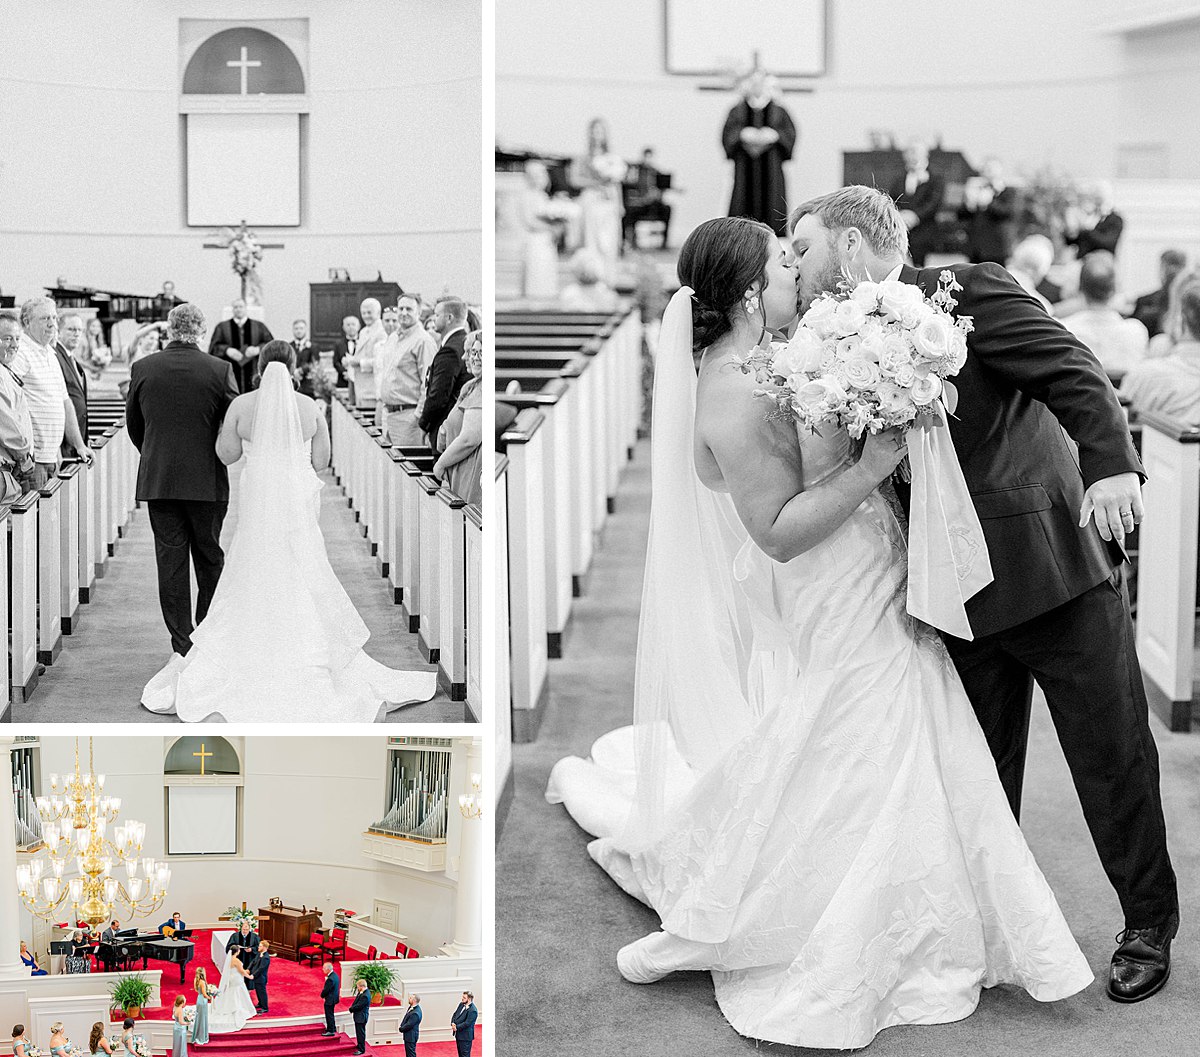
473, 532
49, 571
502, 685
69, 547
22, 596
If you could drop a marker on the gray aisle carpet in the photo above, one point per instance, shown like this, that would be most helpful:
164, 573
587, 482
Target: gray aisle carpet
121, 641
560, 920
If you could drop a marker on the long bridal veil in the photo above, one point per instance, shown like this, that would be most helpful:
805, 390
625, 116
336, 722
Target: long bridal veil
282, 641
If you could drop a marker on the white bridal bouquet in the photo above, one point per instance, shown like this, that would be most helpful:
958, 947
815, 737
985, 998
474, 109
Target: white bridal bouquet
189, 1016
876, 356
872, 357
137, 1043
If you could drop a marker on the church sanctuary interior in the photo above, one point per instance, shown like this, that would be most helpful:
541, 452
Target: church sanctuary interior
360, 854
1054, 140
295, 169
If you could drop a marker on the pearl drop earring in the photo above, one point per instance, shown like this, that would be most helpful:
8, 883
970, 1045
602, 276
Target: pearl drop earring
751, 303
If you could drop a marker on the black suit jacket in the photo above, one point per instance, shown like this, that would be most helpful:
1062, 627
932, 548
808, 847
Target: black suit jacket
925, 201
1150, 310
329, 989
360, 1006
990, 230
176, 404
1026, 379
447, 374
342, 349
76, 379
258, 975
1104, 236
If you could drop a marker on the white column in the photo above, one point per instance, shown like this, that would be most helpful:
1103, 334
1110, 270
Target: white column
468, 906
10, 903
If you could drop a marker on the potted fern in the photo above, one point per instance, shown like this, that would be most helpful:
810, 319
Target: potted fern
130, 994
380, 978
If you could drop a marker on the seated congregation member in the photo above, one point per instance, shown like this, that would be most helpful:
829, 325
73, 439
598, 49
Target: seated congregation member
1118, 343
588, 292
70, 338
175, 923
50, 408
401, 363
987, 212
1151, 309
1030, 264
30, 962
447, 372
344, 347
98, 1041
362, 361
1163, 344
1170, 385
238, 340
461, 436
16, 427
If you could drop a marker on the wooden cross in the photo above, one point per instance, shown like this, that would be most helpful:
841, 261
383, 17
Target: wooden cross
202, 754
224, 246
244, 64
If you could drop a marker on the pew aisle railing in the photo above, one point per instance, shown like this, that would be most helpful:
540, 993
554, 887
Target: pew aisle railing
502, 708
524, 444
1166, 586
417, 531
473, 517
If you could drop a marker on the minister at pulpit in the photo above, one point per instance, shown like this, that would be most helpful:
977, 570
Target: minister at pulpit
244, 943
238, 340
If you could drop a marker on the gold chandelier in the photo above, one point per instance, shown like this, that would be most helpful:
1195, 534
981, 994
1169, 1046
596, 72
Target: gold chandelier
471, 804
75, 827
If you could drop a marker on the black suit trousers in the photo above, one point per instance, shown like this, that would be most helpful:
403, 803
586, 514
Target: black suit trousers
330, 1024
186, 530
410, 1048
360, 1035
464, 1046
1082, 656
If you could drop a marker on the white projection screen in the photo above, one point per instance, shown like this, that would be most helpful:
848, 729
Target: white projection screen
243, 167
202, 821
717, 37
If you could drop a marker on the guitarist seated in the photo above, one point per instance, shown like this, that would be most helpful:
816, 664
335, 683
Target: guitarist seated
176, 924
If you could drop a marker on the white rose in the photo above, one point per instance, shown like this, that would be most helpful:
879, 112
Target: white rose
873, 347
904, 374
861, 373
820, 394
899, 299
891, 397
849, 317
925, 390
866, 294
829, 351
803, 353
958, 350
931, 338
820, 317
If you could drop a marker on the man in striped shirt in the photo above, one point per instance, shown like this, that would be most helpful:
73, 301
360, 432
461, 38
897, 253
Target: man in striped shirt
50, 408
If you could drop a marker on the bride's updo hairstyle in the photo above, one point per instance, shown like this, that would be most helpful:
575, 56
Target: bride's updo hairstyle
277, 352
720, 261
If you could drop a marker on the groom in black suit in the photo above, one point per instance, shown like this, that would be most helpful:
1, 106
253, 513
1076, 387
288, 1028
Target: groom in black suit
177, 401
1054, 522
257, 980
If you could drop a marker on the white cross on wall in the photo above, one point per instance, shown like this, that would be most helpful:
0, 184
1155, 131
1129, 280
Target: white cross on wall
244, 64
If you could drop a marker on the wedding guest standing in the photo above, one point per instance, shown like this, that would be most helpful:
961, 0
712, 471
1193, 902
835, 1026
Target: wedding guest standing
1151, 309
306, 355
257, 980
464, 1024
987, 209
176, 403
461, 436
598, 175
179, 1031
400, 367
360, 1010
344, 348
410, 1026
1170, 385
329, 996
50, 407
70, 337
390, 321
238, 340
447, 372
918, 195
758, 138
362, 361
204, 995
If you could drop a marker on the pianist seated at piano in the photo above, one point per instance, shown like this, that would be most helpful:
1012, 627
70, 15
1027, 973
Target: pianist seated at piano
174, 925
30, 962
105, 952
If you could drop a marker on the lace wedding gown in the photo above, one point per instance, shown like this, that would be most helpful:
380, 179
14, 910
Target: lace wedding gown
231, 1007
846, 859
281, 642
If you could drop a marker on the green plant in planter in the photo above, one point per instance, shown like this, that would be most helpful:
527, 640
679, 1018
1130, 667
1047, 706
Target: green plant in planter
380, 978
130, 994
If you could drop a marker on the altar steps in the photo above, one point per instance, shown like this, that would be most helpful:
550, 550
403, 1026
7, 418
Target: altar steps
303, 1040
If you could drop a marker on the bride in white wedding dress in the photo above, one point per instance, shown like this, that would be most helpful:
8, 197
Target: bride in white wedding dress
231, 1007
806, 798
281, 642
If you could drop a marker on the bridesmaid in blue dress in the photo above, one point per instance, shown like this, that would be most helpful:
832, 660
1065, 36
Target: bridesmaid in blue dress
60, 1045
179, 1031
19, 1043
203, 994
98, 1042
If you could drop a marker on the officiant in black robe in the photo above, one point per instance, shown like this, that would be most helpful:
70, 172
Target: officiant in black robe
237, 335
759, 190
244, 943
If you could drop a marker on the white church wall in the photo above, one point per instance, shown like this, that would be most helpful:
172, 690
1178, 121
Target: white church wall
306, 803
92, 185
1036, 85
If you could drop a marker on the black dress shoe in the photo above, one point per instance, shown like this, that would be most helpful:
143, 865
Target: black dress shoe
1142, 962
328, 1034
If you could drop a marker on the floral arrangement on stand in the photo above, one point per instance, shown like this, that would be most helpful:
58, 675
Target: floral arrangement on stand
245, 255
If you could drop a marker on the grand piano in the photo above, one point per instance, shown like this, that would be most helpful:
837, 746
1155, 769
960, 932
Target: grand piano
150, 946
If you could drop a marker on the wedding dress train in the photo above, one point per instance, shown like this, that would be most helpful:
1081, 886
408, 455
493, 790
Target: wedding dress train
281, 642
843, 858
231, 1007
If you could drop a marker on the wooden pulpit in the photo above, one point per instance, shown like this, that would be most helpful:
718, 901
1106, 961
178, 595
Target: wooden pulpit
287, 929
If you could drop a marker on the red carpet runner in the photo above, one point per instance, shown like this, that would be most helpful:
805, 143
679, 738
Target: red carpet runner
303, 1041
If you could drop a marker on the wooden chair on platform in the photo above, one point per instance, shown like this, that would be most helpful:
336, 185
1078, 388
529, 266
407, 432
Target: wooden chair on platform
413, 953
335, 944
312, 951
372, 953
401, 949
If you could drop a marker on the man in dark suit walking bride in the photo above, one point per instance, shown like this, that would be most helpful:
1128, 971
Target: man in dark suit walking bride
1054, 517
176, 404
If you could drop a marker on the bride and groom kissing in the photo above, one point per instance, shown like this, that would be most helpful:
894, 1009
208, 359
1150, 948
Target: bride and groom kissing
275, 636
825, 791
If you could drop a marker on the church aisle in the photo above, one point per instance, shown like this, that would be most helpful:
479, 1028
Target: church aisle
559, 909
120, 641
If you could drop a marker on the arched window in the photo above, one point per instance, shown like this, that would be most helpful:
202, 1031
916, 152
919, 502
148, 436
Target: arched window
243, 61
203, 756
202, 783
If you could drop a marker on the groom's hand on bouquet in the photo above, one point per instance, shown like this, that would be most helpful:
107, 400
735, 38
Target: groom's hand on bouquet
1116, 504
